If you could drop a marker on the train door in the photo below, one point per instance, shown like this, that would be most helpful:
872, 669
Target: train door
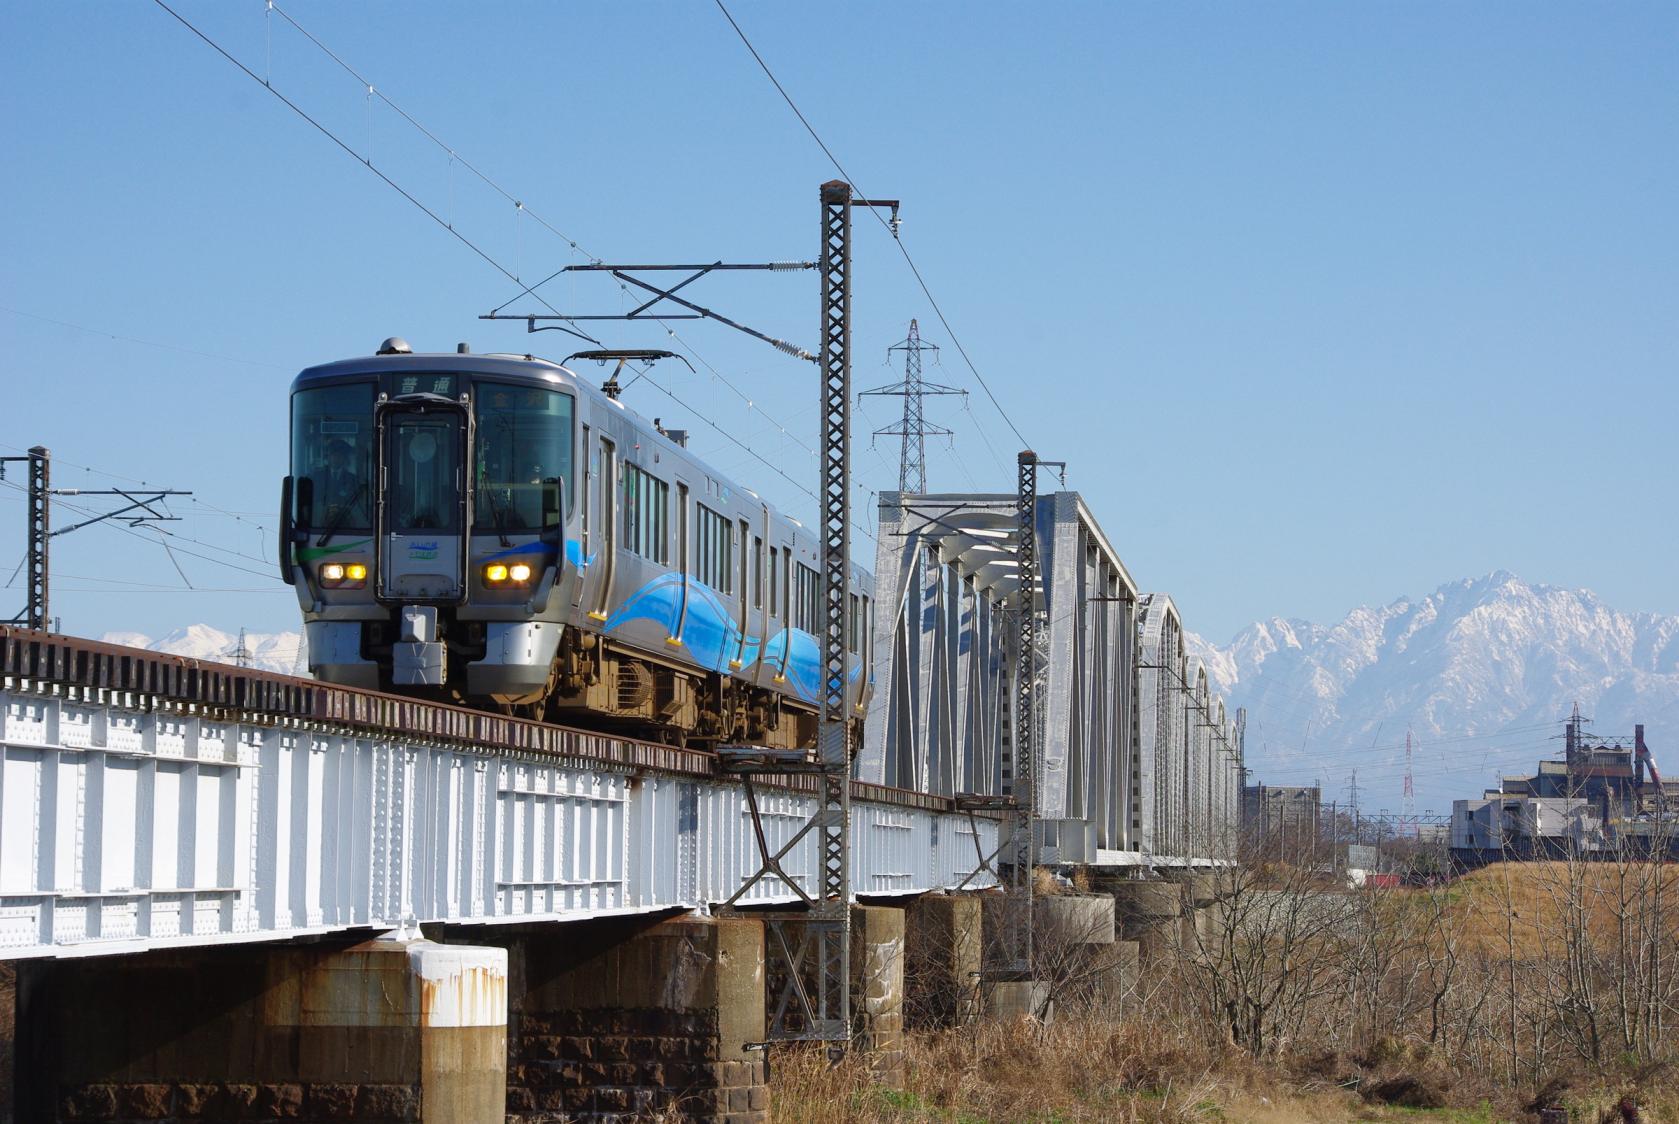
584, 506
743, 587
684, 563
606, 520
422, 513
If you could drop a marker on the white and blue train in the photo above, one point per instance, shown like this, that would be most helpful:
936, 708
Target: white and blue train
494, 530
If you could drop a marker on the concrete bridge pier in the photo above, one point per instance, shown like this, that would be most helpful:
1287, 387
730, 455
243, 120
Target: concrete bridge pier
620, 1018
387, 1031
878, 966
1149, 913
942, 939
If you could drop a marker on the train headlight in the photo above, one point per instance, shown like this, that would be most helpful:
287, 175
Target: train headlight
340, 575
501, 574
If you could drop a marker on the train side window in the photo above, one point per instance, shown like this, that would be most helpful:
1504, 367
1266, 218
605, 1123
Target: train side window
774, 602
808, 608
646, 515
714, 550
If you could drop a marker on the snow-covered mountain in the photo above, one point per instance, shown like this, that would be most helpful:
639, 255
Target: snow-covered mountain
268, 651
1482, 671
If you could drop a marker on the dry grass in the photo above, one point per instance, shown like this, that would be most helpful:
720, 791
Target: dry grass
1071, 1072
1536, 892
1139, 1072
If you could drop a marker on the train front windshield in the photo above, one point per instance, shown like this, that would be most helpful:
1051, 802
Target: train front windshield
522, 442
332, 456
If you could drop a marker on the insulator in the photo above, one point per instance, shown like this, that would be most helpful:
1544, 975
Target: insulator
782, 266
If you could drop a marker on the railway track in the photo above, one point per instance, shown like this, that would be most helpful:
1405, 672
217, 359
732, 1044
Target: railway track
247, 694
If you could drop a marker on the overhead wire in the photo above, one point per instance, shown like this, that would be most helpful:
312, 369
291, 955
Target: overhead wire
136, 340
367, 162
897, 241
118, 526
521, 208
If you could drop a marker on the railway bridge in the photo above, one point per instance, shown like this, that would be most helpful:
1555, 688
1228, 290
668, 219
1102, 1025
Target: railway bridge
226, 893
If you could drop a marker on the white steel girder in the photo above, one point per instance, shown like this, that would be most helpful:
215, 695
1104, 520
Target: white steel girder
128, 825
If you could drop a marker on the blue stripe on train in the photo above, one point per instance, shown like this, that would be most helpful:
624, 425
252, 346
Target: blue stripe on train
714, 639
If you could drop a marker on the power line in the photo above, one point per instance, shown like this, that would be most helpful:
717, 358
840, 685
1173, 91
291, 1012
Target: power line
519, 205
367, 162
903, 249
143, 343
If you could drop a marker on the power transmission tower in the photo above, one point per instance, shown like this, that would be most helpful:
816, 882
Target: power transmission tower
913, 428
1352, 802
1408, 801
240, 653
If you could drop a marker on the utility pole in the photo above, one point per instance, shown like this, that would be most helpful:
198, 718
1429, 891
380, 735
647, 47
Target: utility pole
40, 535
832, 912
36, 613
913, 428
1023, 766
823, 1009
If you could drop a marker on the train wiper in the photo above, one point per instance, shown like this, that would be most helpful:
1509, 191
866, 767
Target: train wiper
337, 521
500, 517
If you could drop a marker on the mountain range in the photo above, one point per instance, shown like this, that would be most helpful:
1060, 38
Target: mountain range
266, 651
1480, 673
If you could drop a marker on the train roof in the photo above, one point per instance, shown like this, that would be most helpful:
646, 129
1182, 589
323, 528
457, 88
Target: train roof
511, 366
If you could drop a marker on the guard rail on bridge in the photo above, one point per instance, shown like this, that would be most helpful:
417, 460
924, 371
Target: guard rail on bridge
149, 800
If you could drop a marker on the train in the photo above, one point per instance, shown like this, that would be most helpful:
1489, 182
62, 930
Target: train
497, 531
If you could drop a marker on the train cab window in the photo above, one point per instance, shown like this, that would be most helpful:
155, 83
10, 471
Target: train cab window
424, 467
714, 550
522, 448
854, 627
332, 456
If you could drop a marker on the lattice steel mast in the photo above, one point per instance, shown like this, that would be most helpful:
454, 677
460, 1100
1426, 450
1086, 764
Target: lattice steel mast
913, 428
36, 613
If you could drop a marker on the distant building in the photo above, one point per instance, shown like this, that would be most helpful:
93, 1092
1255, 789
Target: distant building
1282, 811
1591, 802
1525, 826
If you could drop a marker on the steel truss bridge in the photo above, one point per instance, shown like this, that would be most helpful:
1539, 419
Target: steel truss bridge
1137, 763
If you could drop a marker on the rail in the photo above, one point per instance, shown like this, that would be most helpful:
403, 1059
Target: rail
223, 690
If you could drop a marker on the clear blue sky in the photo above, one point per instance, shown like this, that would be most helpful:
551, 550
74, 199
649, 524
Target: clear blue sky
1324, 303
